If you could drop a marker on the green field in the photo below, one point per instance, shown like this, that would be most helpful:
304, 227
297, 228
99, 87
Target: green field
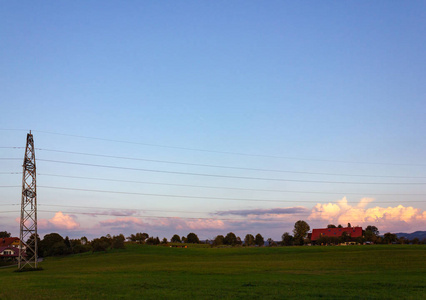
152, 272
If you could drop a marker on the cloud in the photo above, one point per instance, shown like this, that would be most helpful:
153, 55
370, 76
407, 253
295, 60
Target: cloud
59, 221
162, 223
398, 218
122, 222
258, 212
205, 224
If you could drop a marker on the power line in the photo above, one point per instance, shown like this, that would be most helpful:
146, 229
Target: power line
252, 220
223, 187
229, 176
125, 209
164, 217
226, 167
219, 187
216, 151
146, 217
11, 211
200, 197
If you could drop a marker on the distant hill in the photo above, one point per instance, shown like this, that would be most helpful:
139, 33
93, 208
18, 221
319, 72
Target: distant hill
418, 234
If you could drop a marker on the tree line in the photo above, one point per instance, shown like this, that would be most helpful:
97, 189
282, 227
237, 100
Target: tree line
54, 244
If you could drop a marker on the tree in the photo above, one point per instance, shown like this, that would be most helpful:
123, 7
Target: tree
331, 226
100, 244
300, 230
192, 238
403, 240
141, 237
46, 245
175, 239
349, 225
153, 241
117, 241
77, 245
258, 240
230, 239
31, 243
287, 239
219, 240
415, 241
249, 240
389, 238
67, 242
271, 242
164, 241
4, 234
372, 229
345, 237
371, 234
84, 240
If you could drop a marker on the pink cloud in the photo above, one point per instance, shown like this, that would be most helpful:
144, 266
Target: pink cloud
398, 218
205, 224
123, 222
163, 223
59, 221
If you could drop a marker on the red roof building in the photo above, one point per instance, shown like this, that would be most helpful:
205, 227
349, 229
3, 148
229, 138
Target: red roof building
9, 251
353, 232
9, 241
9, 247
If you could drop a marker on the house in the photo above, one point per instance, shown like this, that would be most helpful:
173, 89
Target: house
12, 241
9, 248
353, 232
9, 252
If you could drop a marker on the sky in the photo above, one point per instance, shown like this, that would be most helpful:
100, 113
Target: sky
214, 116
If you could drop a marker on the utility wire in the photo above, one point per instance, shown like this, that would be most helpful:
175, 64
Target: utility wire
222, 187
215, 151
225, 167
125, 209
252, 220
228, 176
217, 187
199, 197
223, 152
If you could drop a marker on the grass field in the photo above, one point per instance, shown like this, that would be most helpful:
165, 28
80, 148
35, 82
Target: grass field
150, 272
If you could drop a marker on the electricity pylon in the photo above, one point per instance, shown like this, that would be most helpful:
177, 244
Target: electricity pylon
28, 224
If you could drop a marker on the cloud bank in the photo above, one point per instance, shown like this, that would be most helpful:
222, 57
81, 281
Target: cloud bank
397, 218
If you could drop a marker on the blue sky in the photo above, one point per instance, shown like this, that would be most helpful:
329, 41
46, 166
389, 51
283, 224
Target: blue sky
323, 82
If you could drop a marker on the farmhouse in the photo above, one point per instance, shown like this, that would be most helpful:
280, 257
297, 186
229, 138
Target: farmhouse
353, 232
10, 241
9, 247
9, 251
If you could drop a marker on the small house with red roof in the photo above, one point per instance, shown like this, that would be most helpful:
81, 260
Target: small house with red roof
9, 247
9, 241
353, 232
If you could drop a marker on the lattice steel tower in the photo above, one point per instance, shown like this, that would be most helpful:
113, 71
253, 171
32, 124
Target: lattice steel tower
28, 229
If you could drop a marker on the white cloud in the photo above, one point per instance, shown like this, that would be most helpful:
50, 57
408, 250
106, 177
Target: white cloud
398, 218
59, 221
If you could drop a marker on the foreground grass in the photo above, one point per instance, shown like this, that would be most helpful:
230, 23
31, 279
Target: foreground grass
355, 272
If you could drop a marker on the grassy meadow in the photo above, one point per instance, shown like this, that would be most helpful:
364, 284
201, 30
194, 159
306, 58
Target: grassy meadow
155, 272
